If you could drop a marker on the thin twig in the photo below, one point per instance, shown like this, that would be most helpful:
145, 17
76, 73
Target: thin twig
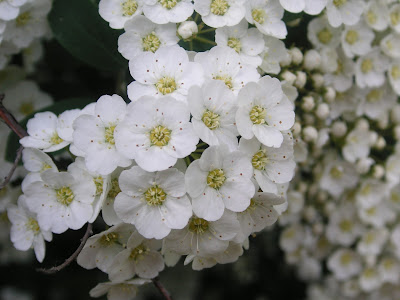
10, 120
70, 259
162, 289
11, 172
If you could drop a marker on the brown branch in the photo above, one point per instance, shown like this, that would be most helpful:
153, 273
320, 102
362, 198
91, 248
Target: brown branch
161, 288
11, 172
10, 120
70, 259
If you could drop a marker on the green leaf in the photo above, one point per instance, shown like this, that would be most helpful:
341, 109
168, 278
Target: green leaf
78, 27
57, 108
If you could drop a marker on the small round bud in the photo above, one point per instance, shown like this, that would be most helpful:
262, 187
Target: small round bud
286, 61
322, 196
310, 134
302, 187
301, 79
289, 77
380, 143
317, 80
373, 137
363, 165
296, 129
309, 213
297, 55
187, 29
362, 124
322, 111
339, 129
378, 171
312, 60
330, 94
307, 103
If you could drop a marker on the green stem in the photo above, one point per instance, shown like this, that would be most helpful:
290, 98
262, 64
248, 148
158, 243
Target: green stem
207, 41
195, 155
187, 160
196, 18
191, 45
206, 30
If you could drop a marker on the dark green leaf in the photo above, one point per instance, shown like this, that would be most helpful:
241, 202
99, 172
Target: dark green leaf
57, 108
78, 27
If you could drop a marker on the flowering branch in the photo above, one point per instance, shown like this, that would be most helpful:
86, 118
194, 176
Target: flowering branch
70, 259
161, 288
9, 119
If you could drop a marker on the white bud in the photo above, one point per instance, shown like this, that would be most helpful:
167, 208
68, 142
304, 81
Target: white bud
286, 61
310, 134
318, 228
312, 60
330, 94
378, 171
373, 137
307, 103
362, 124
188, 29
289, 77
309, 213
301, 79
318, 80
339, 129
322, 111
296, 129
297, 55
363, 165
329, 208
380, 143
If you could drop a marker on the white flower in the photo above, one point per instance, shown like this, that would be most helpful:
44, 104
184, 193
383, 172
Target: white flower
165, 11
358, 144
311, 7
394, 76
321, 34
248, 42
42, 130
389, 270
203, 238
372, 242
65, 124
142, 35
123, 290
219, 179
154, 202
25, 230
377, 215
24, 98
37, 161
264, 111
117, 12
390, 45
61, 201
224, 63
219, 13
376, 102
31, 23
273, 54
101, 249
270, 165
371, 193
346, 12
9, 9
370, 69
156, 132
342, 78
357, 39
213, 109
94, 135
344, 263
140, 257
369, 279
376, 15
291, 237
167, 72
394, 18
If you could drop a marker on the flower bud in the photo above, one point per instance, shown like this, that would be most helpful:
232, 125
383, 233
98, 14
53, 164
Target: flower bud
339, 129
363, 165
307, 103
380, 143
289, 77
378, 171
296, 129
187, 29
318, 80
301, 79
312, 60
297, 55
310, 134
330, 94
322, 111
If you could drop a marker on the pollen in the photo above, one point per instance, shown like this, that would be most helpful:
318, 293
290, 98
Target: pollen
366, 66
351, 37
395, 18
259, 160
258, 114
216, 178
374, 96
258, 15
395, 72
346, 259
336, 173
211, 119
160, 136
129, 8
346, 226
109, 239
155, 196
33, 225
139, 252
109, 134
339, 3
114, 190
371, 17
235, 44
168, 4
26, 108
219, 7
166, 85
325, 36
55, 139
98, 181
23, 19
198, 225
65, 196
226, 79
151, 42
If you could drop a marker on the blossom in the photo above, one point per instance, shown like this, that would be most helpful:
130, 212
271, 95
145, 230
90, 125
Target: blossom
117, 12
219, 13
165, 11
344, 11
310, 7
123, 290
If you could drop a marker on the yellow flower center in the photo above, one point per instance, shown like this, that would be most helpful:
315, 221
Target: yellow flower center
98, 181
371, 17
339, 3
65, 195
129, 8
259, 160
219, 7
336, 173
114, 190
168, 4
388, 263
155, 196
235, 44
216, 178
395, 72
252, 206
339, 68
55, 139
109, 239
138, 252
351, 37
46, 167
109, 134
258, 15
346, 226
366, 190
33, 225
198, 225
226, 79
151, 42
211, 119
366, 65
395, 197
160, 136
26, 108
346, 258
23, 19
258, 114
395, 17
374, 96
166, 85
324, 36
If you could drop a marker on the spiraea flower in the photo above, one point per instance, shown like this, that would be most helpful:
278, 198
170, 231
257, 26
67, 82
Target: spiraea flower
118, 12
219, 13
165, 11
